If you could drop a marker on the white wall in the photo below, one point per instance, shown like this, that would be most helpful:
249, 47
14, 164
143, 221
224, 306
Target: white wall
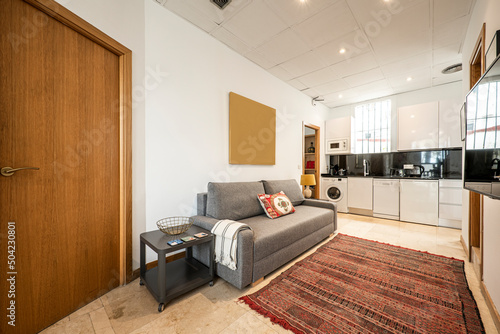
485, 11
451, 91
187, 132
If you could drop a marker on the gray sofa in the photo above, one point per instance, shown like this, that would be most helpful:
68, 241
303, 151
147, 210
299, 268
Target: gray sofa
271, 242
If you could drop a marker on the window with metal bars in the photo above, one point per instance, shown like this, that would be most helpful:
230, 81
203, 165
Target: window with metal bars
373, 127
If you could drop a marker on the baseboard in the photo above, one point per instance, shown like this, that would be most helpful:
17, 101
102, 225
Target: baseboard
136, 273
361, 212
491, 306
464, 245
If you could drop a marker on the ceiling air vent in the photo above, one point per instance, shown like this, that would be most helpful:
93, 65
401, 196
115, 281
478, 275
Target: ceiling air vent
452, 69
221, 3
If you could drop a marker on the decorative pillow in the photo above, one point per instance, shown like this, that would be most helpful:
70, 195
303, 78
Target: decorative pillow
276, 205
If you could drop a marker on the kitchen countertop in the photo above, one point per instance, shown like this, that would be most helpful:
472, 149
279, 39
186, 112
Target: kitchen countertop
392, 177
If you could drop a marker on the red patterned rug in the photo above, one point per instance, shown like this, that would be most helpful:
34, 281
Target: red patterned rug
352, 285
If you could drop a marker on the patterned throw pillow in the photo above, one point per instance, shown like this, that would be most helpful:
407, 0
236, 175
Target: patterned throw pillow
276, 205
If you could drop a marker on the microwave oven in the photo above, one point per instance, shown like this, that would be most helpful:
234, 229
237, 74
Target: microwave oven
338, 146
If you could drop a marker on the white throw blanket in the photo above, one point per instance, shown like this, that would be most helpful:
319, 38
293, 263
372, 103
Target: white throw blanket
226, 232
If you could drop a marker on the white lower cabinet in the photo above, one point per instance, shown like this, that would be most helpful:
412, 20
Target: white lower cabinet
450, 203
360, 195
419, 201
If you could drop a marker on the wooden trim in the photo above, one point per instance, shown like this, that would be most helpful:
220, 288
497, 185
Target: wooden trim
257, 282
68, 18
491, 306
464, 246
136, 273
317, 189
477, 61
63, 15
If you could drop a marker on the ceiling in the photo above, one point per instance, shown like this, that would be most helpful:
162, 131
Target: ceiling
390, 46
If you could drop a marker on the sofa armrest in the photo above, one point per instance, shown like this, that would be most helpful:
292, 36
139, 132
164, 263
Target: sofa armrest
205, 222
240, 277
325, 205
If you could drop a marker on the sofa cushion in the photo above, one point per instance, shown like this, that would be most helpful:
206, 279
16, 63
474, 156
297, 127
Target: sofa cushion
271, 236
276, 205
290, 187
234, 200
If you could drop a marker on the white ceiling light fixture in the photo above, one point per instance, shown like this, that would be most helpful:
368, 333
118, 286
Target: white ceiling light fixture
342, 51
316, 99
452, 69
409, 79
340, 96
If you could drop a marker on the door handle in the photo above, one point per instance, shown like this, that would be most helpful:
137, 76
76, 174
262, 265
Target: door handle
9, 171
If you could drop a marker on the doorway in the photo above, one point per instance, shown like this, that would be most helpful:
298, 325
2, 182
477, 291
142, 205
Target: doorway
311, 157
477, 65
65, 108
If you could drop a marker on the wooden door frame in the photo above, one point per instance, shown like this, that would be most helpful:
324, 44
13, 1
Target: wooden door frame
477, 67
317, 190
66, 17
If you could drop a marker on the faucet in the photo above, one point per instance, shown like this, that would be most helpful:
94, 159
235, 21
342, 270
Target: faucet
366, 167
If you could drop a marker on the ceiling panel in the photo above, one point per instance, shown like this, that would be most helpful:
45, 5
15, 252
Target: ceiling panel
260, 60
364, 77
417, 43
303, 64
450, 33
332, 87
355, 43
446, 53
319, 77
284, 46
418, 78
281, 73
408, 64
448, 10
297, 84
255, 23
230, 40
354, 65
293, 12
331, 23
386, 29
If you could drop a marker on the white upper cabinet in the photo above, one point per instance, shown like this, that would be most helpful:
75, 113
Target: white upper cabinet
449, 124
338, 128
418, 127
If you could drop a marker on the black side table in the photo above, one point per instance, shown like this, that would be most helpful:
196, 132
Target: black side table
170, 280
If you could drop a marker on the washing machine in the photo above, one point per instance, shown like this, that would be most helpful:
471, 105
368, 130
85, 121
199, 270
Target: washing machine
334, 189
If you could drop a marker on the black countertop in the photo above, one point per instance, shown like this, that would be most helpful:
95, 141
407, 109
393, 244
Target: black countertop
394, 177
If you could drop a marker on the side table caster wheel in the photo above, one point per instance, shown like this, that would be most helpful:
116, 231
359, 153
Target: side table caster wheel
141, 282
161, 307
211, 283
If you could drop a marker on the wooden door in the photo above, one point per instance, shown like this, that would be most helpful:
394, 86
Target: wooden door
60, 225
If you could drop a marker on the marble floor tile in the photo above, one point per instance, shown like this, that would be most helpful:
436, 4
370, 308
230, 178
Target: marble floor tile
207, 310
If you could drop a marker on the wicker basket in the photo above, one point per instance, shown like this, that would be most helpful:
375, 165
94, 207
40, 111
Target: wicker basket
174, 225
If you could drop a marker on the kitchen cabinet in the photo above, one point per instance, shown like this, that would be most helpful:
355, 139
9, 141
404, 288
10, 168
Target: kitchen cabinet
449, 124
338, 128
419, 201
418, 126
450, 203
360, 195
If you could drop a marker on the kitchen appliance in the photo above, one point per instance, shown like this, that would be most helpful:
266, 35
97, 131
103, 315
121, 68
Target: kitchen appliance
482, 139
386, 199
334, 189
419, 201
338, 146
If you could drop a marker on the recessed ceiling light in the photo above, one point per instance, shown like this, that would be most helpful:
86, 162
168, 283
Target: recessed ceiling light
412, 116
342, 51
340, 96
409, 79
303, 1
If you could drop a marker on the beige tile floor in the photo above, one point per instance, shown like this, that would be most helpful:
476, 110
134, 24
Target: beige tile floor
131, 308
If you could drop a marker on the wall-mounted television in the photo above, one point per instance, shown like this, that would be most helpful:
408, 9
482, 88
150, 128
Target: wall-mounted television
482, 138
